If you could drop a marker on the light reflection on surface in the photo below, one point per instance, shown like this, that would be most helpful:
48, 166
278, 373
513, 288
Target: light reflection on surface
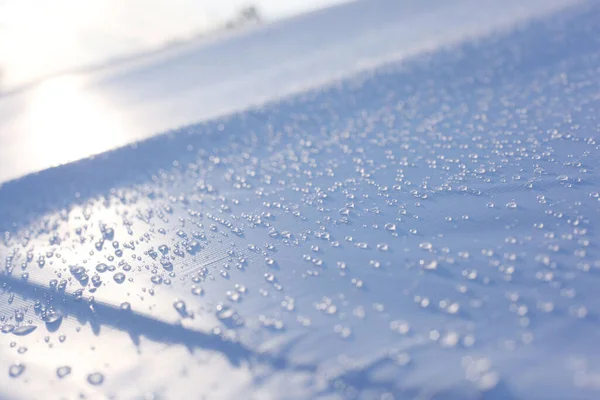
70, 118
38, 37
64, 122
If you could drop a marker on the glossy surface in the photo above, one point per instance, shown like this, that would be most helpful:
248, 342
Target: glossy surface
424, 229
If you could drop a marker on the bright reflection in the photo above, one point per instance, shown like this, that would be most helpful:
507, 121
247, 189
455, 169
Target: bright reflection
41, 37
66, 122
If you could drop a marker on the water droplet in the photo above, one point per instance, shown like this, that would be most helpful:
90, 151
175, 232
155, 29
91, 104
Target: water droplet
101, 267
450, 339
108, 233
233, 296
181, 308
401, 327
383, 247
344, 211
15, 370
225, 312
426, 246
61, 372
52, 318
95, 379
343, 331
24, 330
119, 277
453, 308
197, 290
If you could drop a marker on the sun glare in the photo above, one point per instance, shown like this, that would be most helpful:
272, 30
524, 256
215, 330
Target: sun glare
66, 122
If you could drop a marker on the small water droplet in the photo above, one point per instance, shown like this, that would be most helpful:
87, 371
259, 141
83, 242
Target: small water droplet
181, 308
383, 247
426, 246
15, 370
61, 372
270, 262
390, 227
197, 290
95, 379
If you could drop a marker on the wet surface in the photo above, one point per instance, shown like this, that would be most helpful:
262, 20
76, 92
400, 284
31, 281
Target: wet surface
421, 230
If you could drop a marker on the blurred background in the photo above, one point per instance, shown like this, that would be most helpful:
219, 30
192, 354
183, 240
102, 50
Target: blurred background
79, 78
39, 38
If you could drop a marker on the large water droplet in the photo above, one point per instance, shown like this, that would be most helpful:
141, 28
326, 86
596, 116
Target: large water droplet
119, 277
52, 317
24, 330
101, 267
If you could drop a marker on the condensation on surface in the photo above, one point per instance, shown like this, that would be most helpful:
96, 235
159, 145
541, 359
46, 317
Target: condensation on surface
423, 230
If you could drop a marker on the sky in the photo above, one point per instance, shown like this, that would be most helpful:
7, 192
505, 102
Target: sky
38, 37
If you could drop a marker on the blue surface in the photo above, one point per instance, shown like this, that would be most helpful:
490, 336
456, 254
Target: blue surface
426, 229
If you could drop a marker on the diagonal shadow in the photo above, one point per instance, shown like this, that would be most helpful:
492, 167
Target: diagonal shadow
137, 325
